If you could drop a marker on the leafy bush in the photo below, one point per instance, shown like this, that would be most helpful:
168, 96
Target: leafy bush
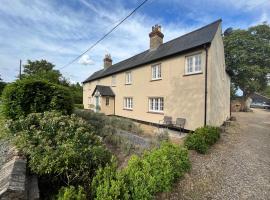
71, 193
79, 106
30, 96
105, 125
154, 172
62, 145
202, 138
109, 184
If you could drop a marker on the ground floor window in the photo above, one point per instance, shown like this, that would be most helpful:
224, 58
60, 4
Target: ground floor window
156, 104
128, 103
107, 101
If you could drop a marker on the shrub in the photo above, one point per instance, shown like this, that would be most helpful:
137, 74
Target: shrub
109, 184
156, 170
71, 193
29, 96
62, 145
202, 138
79, 106
144, 176
105, 125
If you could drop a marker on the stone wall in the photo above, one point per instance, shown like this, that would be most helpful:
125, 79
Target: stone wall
15, 183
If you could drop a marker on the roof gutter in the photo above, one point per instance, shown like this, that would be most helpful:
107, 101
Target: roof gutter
205, 85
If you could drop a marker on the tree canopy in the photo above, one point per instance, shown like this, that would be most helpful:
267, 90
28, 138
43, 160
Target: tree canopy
44, 70
41, 70
247, 54
2, 85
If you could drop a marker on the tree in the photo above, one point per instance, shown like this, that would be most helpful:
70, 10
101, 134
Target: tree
41, 70
44, 70
2, 85
247, 57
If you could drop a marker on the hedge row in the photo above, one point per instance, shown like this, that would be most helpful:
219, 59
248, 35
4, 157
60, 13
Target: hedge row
144, 176
202, 138
33, 96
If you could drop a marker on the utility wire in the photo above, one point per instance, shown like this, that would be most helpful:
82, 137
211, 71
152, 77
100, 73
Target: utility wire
103, 37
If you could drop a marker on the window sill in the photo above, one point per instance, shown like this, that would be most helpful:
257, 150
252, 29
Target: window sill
195, 73
128, 109
158, 79
113, 85
156, 112
128, 83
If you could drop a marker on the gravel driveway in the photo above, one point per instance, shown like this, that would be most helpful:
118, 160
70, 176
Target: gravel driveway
237, 167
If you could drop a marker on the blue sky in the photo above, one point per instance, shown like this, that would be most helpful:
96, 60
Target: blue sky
59, 30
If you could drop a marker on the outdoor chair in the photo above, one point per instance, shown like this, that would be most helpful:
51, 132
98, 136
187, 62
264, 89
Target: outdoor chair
180, 123
167, 121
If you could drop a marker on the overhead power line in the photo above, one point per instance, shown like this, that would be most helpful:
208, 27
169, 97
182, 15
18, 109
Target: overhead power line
104, 36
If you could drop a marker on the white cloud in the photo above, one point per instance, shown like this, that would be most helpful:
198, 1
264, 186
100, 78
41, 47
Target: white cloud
85, 60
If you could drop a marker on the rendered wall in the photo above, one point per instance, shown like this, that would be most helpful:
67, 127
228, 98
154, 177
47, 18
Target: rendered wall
219, 83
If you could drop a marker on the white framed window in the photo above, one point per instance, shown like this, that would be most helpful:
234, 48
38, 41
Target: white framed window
128, 103
156, 104
128, 78
193, 64
113, 80
107, 101
156, 72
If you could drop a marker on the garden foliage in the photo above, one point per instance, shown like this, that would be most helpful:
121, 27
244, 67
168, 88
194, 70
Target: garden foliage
144, 176
202, 138
31, 96
71, 193
60, 145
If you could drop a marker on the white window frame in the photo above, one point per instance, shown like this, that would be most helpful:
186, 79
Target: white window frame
193, 64
128, 103
113, 80
156, 104
156, 72
128, 78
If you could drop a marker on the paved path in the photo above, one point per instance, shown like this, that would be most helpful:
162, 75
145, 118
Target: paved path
237, 167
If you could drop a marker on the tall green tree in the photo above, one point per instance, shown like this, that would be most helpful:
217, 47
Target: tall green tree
44, 70
247, 54
41, 69
2, 85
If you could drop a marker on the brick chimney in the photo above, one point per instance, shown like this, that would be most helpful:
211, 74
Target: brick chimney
107, 61
156, 37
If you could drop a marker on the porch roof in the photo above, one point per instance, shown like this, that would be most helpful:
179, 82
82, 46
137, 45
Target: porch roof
104, 90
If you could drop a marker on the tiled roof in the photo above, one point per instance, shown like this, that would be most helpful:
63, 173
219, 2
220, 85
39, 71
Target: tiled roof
104, 90
183, 43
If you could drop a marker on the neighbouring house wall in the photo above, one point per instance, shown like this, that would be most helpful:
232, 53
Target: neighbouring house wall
183, 95
218, 83
107, 109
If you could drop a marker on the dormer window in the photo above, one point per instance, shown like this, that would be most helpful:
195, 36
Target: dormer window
193, 64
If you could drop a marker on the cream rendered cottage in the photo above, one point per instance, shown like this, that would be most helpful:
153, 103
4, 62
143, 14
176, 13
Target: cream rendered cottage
182, 78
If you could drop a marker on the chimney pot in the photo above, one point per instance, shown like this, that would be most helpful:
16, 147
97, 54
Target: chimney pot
156, 37
107, 61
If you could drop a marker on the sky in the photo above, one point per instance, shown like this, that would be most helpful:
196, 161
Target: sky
60, 30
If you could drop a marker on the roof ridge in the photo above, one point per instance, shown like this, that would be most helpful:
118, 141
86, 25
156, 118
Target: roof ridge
219, 20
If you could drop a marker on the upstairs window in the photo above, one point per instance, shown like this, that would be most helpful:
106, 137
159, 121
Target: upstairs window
128, 78
113, 80
193, 64
156, 104
128, 103
156, 72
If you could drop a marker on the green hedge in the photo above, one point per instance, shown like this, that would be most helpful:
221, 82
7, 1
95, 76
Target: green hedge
202, 138
32, 96
144, 176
